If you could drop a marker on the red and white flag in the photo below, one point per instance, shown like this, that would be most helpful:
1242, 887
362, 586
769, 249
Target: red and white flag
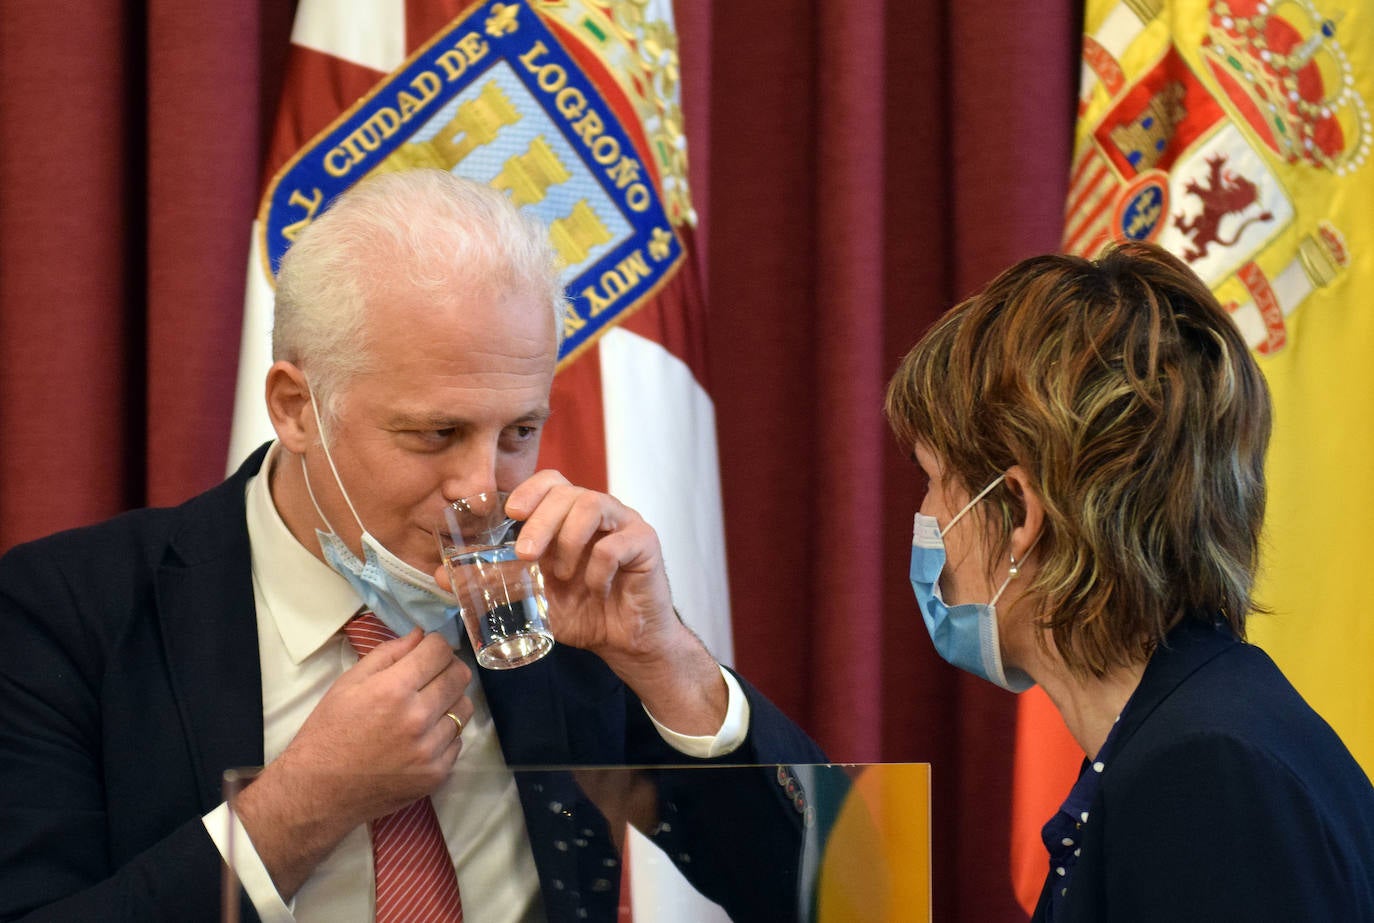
573, 108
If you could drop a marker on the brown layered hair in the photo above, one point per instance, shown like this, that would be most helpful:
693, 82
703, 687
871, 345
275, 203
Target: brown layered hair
1130, 397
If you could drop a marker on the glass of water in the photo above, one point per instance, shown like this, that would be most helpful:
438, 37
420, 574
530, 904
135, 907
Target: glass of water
501, 598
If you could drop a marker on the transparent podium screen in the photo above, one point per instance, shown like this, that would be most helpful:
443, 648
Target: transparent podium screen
807, 843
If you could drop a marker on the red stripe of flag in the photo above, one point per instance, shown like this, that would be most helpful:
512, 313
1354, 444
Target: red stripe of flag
425, 18
576, 440
318, 88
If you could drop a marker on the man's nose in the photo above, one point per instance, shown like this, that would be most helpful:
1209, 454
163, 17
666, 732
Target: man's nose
469, 471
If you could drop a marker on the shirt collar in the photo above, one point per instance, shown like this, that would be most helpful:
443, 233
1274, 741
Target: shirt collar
305, 599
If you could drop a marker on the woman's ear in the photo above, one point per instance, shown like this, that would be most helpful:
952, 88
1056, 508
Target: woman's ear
1027, 532
288, 406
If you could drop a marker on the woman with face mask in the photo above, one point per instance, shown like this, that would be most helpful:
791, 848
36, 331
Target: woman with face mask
1094, 437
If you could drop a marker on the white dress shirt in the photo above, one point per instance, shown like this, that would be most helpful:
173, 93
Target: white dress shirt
302, 605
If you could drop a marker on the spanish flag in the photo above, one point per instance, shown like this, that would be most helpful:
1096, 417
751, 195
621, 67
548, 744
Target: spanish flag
573, 108
1238, 135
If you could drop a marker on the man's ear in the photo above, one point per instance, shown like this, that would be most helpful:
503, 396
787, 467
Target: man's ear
1027, 532
288, 405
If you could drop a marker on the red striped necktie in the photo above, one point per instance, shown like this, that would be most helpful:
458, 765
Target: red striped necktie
415, 877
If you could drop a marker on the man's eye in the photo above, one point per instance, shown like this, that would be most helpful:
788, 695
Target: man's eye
520, 434
433, 437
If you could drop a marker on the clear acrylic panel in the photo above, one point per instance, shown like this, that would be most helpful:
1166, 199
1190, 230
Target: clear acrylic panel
697, 844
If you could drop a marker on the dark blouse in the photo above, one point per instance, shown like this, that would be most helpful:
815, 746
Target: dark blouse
1063, 832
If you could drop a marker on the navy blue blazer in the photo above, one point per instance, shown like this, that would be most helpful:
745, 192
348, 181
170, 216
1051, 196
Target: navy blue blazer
129, 681
1226, 798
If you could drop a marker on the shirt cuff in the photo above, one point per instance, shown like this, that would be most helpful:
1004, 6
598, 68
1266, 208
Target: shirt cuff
732, 731
239, 853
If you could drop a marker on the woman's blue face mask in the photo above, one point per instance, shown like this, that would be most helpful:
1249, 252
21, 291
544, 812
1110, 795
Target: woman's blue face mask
964, 635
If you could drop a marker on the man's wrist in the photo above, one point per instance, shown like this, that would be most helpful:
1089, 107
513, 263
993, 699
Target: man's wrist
727, 738
681, 684
241, 857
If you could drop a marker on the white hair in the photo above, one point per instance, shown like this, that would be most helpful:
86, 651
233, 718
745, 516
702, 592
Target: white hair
427, 229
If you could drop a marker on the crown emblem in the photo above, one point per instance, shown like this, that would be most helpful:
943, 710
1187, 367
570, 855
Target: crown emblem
1282, 67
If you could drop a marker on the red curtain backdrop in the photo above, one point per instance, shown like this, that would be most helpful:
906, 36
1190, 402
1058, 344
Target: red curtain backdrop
870, 163
857, 166
130, 141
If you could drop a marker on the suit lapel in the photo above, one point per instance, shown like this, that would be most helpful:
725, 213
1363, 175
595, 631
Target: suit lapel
525, 709
568, 708
209, 631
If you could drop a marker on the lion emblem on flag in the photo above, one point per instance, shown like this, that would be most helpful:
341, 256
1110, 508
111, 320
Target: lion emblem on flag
1224, 194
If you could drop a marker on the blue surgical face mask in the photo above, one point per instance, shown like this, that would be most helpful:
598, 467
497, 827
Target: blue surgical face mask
402, 596
964, 635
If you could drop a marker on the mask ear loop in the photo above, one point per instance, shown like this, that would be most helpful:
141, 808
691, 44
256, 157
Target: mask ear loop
305, 472
324, 443
968, 506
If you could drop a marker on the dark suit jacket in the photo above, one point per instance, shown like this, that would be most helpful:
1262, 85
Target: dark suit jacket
1226, 798
129, 681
